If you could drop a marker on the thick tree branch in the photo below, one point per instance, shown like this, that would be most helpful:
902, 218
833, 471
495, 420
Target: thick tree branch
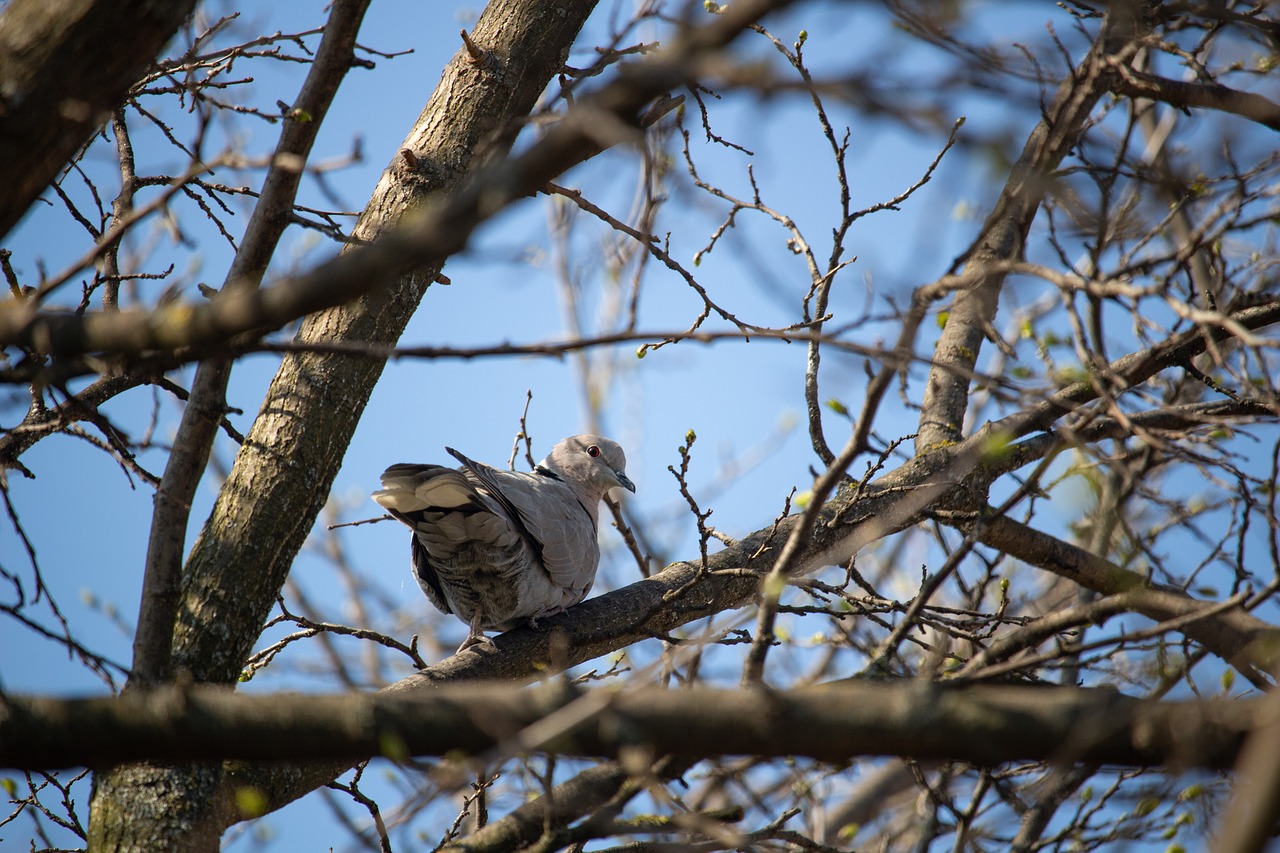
1005, 231
554, 810
1235, 635
293, 451
291, 455
206, 406
684, 592
1208, 96
984, 725
62, 72
1108, 224
1248, 823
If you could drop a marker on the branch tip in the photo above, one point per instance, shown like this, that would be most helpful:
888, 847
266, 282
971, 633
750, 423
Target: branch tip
478, 54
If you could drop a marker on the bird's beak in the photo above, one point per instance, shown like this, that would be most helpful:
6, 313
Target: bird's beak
624, 481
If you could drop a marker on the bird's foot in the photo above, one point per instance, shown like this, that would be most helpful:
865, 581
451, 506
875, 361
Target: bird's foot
474, 640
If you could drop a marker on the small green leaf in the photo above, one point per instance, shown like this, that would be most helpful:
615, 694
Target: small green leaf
942, 319
836, 406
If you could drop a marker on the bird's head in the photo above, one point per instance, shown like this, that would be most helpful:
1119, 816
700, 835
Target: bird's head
592, 461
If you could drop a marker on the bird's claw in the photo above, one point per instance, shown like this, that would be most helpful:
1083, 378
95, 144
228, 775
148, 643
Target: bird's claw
473, 642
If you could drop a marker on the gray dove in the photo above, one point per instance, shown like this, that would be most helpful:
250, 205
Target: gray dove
500, 548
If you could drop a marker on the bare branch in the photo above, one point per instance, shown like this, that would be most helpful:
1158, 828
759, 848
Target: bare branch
983, 725
1209, 96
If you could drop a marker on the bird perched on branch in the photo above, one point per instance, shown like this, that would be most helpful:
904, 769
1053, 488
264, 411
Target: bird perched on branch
500, 548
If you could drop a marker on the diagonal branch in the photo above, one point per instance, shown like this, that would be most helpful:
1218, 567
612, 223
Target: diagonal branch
1208, 96
63, 69
1235, 635
206, 406
1005, 231
292, 453
684, 592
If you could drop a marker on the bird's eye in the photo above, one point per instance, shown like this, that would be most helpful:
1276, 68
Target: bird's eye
593, 451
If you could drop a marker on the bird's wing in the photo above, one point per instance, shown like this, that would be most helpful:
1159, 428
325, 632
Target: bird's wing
555, 520
554, 515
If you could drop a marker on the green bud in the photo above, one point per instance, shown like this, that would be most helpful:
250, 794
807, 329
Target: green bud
250, 801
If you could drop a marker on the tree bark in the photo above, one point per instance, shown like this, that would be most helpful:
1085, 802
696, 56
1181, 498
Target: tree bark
685, 592
986, 725
283, 473
64, 66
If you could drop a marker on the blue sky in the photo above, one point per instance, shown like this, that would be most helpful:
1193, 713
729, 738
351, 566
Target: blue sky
88, 523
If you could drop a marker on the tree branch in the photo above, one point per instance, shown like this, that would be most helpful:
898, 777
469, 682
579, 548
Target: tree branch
62, 74
206, 406
1209, 96
293, 451
1005, 231
983, 725
1236, 635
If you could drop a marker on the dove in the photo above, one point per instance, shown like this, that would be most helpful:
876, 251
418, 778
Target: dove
497, 548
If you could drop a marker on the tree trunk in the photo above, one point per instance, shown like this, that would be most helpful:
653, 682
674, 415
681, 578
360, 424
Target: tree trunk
282, 474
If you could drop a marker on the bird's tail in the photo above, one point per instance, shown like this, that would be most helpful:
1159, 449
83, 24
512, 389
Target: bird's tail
408, 488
